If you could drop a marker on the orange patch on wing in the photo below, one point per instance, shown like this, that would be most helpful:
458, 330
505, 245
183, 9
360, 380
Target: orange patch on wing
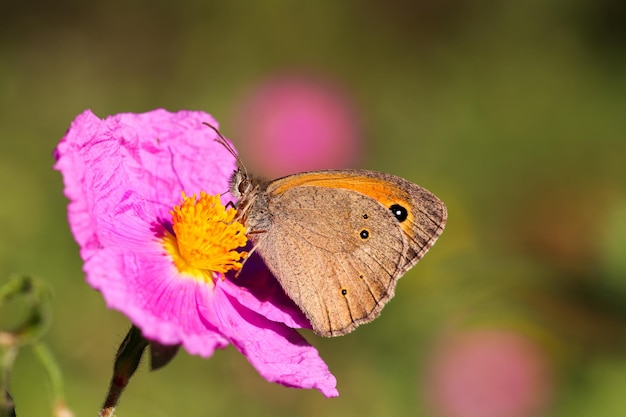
385, 192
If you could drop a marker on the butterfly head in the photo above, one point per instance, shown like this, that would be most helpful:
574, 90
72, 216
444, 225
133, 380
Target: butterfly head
240, 184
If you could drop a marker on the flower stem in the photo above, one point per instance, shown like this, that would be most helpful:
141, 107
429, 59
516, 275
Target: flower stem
126, 363
7, 406
46, 359
35, 295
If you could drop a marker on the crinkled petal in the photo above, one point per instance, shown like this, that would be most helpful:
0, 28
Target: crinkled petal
257, 289
278, 353
147, 288
151, 157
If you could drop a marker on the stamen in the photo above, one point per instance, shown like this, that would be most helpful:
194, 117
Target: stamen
205, 237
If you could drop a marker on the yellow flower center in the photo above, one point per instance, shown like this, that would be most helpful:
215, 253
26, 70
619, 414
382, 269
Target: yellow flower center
205, 237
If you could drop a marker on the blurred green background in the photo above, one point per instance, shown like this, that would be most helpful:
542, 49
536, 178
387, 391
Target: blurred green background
512, 112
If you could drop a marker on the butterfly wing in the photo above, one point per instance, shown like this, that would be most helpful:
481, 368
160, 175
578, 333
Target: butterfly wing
339, 241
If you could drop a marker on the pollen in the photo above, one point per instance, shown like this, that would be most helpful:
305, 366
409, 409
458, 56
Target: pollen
206, 237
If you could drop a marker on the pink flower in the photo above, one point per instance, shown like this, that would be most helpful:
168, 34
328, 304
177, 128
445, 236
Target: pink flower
297, 122
157, 259
489, 373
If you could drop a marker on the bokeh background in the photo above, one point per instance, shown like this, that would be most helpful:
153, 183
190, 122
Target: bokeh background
512, 112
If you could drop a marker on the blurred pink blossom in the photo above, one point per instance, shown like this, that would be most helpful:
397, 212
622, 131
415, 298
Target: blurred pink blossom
488, 373
298, 123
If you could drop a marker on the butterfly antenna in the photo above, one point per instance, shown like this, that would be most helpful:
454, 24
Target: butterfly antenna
222, 140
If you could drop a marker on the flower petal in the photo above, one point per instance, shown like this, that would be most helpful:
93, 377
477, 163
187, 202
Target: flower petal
257, 289
166, 307
279, 354
154, 155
